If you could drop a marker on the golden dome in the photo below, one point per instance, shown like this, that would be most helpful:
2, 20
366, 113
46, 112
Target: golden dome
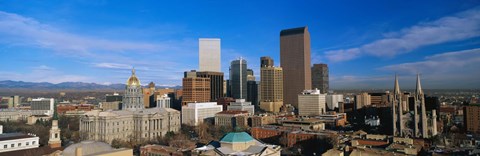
133, 80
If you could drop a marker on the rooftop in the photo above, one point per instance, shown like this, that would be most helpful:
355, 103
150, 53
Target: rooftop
13, 136
237, 137
233, 112
293, 31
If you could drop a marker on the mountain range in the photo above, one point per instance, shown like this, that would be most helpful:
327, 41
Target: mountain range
9, 84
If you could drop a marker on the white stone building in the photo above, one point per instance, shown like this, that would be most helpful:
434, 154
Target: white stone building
209, 54
134, 121
194, 113
242, 105
311, 103
333, 100
163, 101
17, 141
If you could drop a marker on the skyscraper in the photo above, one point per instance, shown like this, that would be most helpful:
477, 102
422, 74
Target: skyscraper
216, 83
271, 87
238, 79
195, 89
320, 77
295, 61
209, 54
266, 61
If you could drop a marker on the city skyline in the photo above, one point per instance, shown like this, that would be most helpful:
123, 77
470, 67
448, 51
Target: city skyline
84, 42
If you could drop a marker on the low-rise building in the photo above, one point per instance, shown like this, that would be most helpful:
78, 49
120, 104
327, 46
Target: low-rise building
154, 150
242, 105
42, 106
115, 105
238, 144
311, 103
14, 115
232, 118
310, 124
287, 136
333, 119
17, 141
195, 113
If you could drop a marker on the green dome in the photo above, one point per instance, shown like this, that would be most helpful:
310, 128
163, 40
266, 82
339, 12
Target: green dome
236, 137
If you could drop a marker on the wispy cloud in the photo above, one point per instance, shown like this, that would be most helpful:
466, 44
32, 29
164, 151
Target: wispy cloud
461, 26
17, 29
43, 73
445, 69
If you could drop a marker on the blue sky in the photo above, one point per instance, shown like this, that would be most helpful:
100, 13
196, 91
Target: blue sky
364, 43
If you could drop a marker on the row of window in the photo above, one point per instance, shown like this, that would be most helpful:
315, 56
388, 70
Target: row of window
18, 145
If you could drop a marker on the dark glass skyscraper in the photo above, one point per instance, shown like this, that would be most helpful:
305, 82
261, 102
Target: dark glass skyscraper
238, 79
320, 77
295, 61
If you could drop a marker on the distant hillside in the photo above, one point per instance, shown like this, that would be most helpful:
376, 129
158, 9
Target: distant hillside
8, 84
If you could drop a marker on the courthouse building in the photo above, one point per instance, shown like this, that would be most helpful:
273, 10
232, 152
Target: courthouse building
133, 121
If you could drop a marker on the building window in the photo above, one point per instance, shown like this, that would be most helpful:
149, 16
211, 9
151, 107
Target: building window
5, 146
27, 143
12, 145
33, 143
19, 144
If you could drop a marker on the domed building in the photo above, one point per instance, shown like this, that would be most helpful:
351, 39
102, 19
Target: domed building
132, 122
239, 144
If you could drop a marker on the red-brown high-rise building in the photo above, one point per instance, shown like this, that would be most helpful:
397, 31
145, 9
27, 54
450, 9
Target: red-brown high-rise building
295, 61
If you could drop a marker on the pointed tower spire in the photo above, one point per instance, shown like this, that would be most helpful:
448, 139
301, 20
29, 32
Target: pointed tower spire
396, 88
419, 90
133, 71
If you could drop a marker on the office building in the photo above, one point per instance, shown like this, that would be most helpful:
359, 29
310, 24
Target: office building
472, 118
362, 100
252, 92
110, 105
238, 78
333, 100
271, 87
195, 113
115, 97
17, 141
311, 103
163, 101
195, 89
242, 105
216, 83
320, 77
266, 61
231, 118
42, 106
295, 61
132, 122
209, 54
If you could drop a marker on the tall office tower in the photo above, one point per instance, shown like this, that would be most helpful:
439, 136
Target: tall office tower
320, 77
311, 103
252, 88
397, 112
271, 88
250, 75
195, 89
216, 83
133, 99
238, 78
266, 61
148, 95
295, 61
252, 92
209, 54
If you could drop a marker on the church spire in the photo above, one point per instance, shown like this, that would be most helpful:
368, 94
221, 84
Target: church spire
396, 88
419, 90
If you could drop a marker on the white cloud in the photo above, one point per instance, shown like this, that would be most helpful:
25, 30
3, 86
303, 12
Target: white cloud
112, 65
461, 26
17, 29
458, 69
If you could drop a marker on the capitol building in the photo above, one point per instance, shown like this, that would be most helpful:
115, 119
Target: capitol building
133, 121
